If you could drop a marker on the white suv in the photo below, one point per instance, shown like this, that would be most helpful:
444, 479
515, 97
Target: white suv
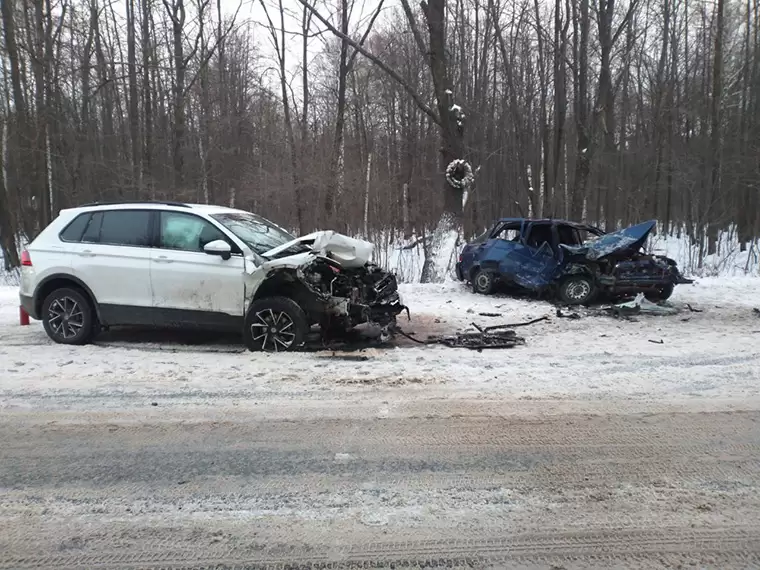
178, 265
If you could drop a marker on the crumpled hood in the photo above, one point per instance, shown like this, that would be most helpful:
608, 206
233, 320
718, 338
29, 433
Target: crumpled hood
347, 251
631, 238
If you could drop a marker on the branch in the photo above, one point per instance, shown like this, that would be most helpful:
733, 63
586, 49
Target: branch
366, 34
413, 26
379, 63
631, 8
211, 52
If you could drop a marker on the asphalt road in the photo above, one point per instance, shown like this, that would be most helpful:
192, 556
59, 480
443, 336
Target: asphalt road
109, 490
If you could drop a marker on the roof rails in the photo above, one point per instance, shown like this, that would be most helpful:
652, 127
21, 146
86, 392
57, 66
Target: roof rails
123, 202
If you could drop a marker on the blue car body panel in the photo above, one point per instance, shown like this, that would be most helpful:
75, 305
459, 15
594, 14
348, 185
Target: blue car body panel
536, 267
629, 238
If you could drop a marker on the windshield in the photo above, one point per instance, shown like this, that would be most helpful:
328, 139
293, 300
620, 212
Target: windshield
258, 233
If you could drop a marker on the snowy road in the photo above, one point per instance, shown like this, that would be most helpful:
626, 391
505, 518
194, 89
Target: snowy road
591, 446
570, 491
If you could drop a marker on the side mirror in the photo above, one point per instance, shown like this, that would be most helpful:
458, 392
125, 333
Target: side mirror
218, 247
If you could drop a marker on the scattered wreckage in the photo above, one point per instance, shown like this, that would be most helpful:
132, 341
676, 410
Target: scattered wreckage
576, 263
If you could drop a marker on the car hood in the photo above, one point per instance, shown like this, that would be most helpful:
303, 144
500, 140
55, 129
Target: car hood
631, 238
347, 251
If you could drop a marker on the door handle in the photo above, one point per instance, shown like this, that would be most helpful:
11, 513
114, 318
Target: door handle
162, 259
86, 253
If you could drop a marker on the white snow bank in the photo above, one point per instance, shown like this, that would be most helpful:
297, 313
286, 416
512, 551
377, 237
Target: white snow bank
706, 355
728, 260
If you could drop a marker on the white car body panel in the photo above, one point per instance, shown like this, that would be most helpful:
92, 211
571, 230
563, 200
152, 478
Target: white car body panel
347, 251
116, 274
197, 281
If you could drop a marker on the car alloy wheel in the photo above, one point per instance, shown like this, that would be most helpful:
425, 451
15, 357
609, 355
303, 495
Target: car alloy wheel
66, 317
275, 330
275, 324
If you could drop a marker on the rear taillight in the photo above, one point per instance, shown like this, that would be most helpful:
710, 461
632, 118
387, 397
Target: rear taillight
26, 259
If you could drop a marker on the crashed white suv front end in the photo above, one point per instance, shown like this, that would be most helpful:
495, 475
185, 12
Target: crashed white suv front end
331, 279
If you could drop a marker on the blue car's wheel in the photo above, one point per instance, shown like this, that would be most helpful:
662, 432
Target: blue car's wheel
577, 290
483, 282
661, 294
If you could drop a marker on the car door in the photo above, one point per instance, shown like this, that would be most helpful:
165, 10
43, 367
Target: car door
190, 286
112, 258
531, 262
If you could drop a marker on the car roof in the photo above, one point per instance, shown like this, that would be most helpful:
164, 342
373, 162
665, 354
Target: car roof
542, 221
174, 206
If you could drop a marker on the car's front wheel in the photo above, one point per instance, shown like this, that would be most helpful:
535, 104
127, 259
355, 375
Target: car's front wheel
275, 324
483, 282
661, 294
577, 290
68, 317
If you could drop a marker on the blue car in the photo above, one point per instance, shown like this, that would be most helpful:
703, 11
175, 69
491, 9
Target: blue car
573, 262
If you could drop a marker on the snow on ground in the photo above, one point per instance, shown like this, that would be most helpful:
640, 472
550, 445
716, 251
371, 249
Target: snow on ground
709, 355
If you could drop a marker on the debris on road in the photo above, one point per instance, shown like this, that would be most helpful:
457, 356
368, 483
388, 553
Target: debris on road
478, 340
496, 336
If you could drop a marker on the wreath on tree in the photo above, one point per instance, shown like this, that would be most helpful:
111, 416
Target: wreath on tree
459, 174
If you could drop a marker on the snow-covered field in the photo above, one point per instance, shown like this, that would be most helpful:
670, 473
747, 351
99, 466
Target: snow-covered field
709, 358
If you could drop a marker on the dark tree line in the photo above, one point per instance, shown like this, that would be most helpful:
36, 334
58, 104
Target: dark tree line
610, 111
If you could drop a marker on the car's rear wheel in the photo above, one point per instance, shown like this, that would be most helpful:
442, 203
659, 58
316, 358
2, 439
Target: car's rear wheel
275, 324
578, 290
483, 282
660, 294
68, 317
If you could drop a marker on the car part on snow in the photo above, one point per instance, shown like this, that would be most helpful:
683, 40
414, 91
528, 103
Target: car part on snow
496, 336
473, 341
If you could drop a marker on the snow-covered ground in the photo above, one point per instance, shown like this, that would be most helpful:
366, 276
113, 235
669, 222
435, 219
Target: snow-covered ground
704, 357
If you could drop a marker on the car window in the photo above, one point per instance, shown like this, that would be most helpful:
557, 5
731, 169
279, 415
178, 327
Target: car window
538, 234
75, 230
509, 232
568, 235
187, 232
119, 227
92, 230
258, 233
126, 227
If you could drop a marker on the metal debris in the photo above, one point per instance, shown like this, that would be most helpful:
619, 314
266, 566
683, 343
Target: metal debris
496, 336
472, 340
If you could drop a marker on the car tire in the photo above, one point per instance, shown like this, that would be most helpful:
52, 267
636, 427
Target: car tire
68, 317
661, 294
483, 282
275, 324
578, 290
